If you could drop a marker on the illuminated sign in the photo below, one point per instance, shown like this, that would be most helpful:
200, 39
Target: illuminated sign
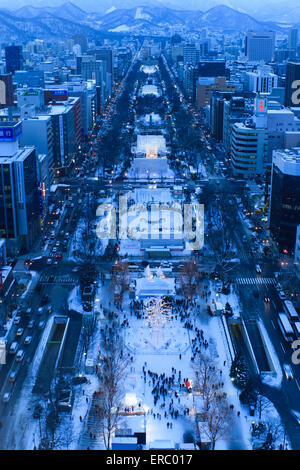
59, 92
10, 133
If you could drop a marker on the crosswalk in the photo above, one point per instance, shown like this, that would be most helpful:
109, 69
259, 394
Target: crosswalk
255, 280
58, 280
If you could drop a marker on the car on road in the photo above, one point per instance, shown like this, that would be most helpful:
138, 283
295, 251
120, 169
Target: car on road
296, 415
30, 324
288, 371
12, 376
6, 397
282, 295
28, 340
20, 355
49, 261
41, 325
40, 311
13, 347
258, 268
17, 320
20, 331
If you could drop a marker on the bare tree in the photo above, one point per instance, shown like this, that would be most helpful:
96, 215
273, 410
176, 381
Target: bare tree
112, 374
189, 279
206, 378
221, 243
87, 332
217, 422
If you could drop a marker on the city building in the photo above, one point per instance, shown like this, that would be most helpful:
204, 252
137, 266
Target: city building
249, 143
19, 198
260, 46
262, 80
292, 95
284, 211
13, 58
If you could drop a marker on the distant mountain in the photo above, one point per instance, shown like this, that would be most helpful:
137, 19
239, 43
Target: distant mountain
68, 19
67, 11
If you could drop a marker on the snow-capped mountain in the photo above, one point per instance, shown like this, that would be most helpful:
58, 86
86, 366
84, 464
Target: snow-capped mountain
68, 19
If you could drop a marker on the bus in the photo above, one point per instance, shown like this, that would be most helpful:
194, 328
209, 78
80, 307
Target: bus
290, 310
297, 329
285, 327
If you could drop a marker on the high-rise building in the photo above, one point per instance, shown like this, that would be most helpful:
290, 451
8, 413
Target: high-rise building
260, 46
190, 54
284, 212
262, 80
292, 96
293, 39
81, 40
249, 143
13, 58
19, 200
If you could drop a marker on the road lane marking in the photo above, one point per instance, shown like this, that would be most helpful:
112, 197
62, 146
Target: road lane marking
282, 347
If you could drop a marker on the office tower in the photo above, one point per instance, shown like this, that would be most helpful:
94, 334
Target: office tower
212, 68
37, 132
105, 54
292, 97
284, 212
262, 80
293, 39
81, 40
13, 58
260, 46
189, 54
19, 200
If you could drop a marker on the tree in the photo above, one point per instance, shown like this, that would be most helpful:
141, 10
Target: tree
239, 372
221, 243
217, 423
112, 374
87, 332
189, 279
206, 378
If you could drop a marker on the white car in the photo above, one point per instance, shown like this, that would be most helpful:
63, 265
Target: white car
17, 320
288, 371
6, 397
49, 261
28, 340
20, 331
258, 268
